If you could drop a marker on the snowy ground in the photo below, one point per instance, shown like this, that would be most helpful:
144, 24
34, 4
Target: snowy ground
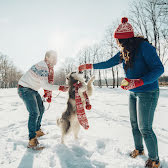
106, 144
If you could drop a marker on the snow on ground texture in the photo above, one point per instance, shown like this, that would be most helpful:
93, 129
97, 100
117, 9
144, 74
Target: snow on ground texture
106, 144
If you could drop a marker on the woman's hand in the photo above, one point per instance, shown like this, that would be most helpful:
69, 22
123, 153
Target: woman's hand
84, 67
132, 83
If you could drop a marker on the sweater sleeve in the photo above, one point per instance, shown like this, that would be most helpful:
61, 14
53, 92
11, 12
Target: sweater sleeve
153, 62
45, 85
109, 63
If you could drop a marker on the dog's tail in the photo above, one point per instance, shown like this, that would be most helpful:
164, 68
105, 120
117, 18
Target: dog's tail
89, 86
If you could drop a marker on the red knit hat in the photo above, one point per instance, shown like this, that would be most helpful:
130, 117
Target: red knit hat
124, 30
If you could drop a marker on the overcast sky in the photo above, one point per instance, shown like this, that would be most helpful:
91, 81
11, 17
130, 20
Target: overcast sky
28, 28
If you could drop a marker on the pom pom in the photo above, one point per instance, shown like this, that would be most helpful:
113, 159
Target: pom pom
124, 20
49, 100
88, 107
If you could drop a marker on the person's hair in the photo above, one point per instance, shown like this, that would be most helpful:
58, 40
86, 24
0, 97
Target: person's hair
129, 49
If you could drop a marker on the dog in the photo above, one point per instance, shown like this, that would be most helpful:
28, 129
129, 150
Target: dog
69, 121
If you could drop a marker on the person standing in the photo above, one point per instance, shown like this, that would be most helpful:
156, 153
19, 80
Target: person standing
40, 75
142, 68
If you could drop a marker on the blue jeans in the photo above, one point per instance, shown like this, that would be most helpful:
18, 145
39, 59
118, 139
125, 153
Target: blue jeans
142, 107
35, 107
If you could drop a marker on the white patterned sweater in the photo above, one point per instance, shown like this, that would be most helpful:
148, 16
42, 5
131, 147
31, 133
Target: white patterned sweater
37, 77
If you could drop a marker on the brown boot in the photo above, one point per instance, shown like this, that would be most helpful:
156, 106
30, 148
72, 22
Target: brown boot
39, 133
152, 164
33, 144
135, 153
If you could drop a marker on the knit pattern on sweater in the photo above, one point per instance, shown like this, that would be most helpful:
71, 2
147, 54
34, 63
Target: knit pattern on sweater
39, 72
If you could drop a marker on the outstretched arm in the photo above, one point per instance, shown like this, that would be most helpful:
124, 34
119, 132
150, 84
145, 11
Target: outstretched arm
109, 63
102, 65
47, 86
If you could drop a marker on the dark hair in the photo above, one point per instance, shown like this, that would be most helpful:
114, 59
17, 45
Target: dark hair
130, 47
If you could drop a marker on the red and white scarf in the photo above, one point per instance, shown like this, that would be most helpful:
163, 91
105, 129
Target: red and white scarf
79, 107
47, 93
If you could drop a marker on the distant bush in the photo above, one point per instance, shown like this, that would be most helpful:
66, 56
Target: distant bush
163, 81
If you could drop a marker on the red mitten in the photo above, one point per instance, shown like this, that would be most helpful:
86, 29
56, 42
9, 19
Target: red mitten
133, 83
63, 88
84, 67
48, 95
45, 93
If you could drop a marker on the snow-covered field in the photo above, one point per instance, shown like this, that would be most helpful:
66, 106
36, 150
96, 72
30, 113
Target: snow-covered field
106, 144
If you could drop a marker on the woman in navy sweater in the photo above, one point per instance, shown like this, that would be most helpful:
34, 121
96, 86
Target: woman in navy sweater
142, 68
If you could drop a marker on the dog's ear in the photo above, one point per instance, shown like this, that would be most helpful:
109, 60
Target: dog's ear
68, 76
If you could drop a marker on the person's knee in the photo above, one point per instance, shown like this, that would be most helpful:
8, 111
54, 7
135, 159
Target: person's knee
33, 115
146, 132
134, 124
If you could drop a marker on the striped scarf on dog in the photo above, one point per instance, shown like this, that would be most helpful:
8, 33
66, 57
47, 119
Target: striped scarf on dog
79, 107
47, 93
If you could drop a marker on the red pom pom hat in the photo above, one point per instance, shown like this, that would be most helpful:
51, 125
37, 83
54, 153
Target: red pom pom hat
124, 30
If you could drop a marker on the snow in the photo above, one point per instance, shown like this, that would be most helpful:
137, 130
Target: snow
106, 144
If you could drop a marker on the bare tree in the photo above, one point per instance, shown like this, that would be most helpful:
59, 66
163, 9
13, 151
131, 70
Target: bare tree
149, 17
60, 77
9, 75
69, 65
111, 49
89, 55
95, 49
83, 59
105, 77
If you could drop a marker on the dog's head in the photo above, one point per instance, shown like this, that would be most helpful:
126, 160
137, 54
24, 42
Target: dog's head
74, 77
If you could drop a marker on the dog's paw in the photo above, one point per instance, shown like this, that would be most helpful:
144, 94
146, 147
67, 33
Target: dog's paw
92, 78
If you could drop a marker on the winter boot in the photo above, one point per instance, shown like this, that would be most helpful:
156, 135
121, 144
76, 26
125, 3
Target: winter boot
33, 144
39, 133
152, 164
135, 153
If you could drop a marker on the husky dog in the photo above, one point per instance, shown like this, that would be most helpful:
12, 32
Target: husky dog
69, 121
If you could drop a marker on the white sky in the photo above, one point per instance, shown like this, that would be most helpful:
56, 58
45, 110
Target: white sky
28, 28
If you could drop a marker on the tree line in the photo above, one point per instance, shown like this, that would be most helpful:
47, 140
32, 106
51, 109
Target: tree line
9, 75
149, 18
